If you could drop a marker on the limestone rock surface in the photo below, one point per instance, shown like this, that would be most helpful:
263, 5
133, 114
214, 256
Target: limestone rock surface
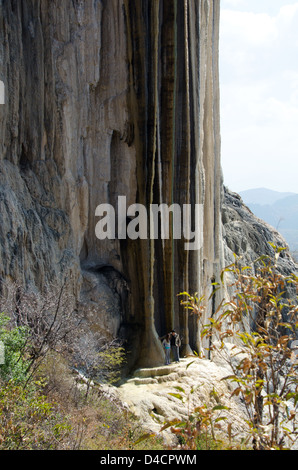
110, 98
249, 237
149, 395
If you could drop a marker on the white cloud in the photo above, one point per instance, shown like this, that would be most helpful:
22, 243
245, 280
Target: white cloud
248, 28
259, 94
287, 13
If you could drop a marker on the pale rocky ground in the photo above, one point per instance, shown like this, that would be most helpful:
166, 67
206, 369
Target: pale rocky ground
148, 394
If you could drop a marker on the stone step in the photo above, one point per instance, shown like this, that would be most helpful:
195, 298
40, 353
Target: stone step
160, 374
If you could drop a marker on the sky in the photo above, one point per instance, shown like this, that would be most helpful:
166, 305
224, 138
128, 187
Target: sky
259, 94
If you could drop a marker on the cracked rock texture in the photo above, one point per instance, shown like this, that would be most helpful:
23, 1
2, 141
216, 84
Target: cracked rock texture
197, 382
248, 237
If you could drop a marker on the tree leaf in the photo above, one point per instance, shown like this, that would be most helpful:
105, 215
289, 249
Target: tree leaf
144, 437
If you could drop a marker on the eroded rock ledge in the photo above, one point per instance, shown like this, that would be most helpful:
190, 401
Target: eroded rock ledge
149, 395
247, 236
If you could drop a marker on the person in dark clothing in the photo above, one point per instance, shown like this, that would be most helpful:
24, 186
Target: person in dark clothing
175, 345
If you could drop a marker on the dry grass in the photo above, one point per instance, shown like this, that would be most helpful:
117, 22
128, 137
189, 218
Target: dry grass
99, 422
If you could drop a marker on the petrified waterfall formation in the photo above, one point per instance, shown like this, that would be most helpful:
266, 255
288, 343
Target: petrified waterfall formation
110, 98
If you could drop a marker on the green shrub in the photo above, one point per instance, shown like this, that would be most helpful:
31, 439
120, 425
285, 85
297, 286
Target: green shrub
28, 421
14, 340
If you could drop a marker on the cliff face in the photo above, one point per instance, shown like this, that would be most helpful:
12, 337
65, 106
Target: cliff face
248, 237
104, 99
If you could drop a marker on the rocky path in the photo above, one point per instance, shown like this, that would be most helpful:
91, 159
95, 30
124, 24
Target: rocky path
148, 393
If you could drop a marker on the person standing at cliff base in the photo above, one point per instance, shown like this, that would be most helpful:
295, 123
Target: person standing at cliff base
167, 347
175, 345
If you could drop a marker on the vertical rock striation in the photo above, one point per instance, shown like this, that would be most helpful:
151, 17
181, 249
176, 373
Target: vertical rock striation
174, 94
109, 98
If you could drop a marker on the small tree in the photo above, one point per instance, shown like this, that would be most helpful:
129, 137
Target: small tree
202, 429
28, 421
14, 341
260, 320
48, 319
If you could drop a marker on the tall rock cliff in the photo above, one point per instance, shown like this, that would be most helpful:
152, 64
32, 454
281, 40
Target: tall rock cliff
248, 237
109, 98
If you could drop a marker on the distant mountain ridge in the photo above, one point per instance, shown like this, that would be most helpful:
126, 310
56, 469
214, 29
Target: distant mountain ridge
279, 209
263, 196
